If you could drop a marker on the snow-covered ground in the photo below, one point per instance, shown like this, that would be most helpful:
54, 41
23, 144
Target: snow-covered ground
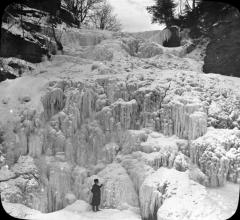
225, 199
75, 211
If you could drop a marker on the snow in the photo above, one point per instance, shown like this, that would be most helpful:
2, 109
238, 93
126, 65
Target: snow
76, 211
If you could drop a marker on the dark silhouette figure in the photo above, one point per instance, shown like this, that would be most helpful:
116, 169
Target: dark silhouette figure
96, 195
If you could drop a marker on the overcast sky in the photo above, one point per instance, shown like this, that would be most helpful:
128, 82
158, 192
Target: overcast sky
133, 15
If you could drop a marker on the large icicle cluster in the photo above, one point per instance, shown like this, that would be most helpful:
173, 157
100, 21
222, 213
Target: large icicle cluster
189, 121
59, 185
53, 102
103, 111
25, 136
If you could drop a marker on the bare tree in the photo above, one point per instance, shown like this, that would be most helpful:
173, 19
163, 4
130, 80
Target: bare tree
82, 8
103, 18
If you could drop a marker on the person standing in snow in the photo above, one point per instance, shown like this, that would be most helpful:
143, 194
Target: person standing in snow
96, 198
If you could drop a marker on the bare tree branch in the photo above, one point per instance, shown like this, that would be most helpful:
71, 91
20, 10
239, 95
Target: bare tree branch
82, 9
103, 18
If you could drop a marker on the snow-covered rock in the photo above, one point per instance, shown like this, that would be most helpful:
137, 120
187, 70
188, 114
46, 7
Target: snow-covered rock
79, 209
23, 184
165, 186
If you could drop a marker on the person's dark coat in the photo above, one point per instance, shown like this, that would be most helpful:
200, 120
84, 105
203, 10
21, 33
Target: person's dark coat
96, 195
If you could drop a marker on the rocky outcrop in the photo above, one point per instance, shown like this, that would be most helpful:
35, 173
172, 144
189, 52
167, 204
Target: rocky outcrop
45, 5
222, 54
13, 45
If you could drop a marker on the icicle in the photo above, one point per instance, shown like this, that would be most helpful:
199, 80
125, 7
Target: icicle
53, 102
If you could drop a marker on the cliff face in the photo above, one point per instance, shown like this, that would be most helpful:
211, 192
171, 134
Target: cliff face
28, 32
222, 54
13, 45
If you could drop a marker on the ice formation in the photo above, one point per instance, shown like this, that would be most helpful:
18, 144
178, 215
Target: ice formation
127, 111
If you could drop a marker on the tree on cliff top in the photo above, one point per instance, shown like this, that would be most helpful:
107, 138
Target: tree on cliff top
162, 11
199, 16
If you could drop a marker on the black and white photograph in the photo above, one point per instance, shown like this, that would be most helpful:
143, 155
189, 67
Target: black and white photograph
120, 110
